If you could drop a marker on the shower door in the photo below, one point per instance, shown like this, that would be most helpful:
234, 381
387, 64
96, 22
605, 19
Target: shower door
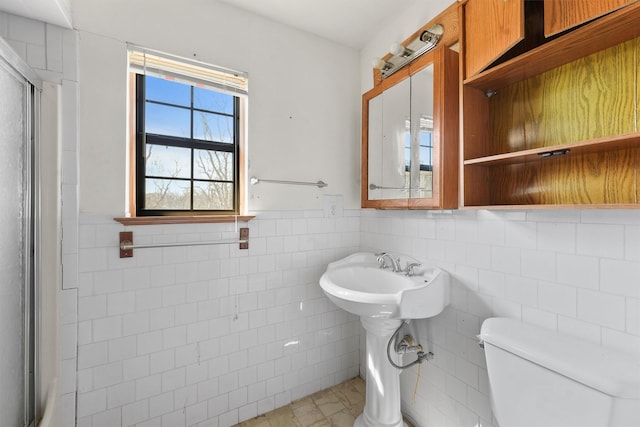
17, 292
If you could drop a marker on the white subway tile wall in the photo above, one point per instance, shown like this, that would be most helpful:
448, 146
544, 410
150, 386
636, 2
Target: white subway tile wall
573, 271
210, 335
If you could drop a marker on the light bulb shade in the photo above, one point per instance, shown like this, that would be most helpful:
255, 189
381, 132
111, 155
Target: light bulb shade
397, 49
436, 29
381, 64
432, 35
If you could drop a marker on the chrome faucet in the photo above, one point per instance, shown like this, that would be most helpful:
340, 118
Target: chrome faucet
410, 271
395, 263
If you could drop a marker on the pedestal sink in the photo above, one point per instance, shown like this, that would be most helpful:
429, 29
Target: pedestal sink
383, 298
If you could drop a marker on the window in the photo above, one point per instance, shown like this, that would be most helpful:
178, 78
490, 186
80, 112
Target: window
423, 180
188, 125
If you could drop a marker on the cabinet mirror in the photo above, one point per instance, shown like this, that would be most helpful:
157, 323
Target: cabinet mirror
401, 139
410, 136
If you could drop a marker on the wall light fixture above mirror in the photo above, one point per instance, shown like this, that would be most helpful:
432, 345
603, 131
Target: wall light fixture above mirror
403, 54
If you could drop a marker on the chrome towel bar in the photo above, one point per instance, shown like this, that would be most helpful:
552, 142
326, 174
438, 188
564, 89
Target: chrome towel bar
380, 187
127, 246
319, 184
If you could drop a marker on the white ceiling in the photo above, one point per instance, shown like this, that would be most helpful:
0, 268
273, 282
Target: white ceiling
56, 12
348, 22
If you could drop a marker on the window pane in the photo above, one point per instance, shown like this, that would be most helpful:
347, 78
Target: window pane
426, 185
167, 194
167, 91
163, 120
190, 156
212, 196
213, 165
407, 147
166, 161
206, 99
426, 158
212, 127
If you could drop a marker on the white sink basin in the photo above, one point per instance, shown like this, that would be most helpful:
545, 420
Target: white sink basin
358, 285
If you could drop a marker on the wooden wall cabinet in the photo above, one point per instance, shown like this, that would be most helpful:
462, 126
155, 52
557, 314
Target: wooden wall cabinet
561, 15
491, 28
498, 30
411, 128
556, 126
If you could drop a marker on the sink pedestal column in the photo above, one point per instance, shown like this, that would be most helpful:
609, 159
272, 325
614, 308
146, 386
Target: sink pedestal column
382, 404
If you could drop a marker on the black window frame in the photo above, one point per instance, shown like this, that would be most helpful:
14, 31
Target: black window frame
143, 138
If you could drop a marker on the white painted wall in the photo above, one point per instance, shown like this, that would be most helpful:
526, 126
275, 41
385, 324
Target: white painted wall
56, 12
211, 336
303, 102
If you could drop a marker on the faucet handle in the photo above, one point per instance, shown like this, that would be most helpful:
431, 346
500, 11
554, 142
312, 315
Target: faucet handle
409, 271
380, 258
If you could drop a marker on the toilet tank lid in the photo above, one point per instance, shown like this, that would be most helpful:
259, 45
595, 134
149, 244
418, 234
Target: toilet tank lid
607, 370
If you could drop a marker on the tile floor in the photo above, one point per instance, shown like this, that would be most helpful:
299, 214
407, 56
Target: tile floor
337, 406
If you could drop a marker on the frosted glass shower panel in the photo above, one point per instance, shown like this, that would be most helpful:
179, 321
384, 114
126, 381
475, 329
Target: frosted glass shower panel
13, 197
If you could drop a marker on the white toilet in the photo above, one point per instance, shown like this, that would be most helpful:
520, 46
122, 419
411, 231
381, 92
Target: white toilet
542, 378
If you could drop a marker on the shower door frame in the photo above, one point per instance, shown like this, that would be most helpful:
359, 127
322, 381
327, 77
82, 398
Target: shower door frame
31, 229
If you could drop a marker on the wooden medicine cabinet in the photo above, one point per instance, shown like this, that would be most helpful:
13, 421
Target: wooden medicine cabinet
410, 131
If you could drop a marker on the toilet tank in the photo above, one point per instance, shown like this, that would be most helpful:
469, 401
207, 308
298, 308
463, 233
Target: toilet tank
542, 378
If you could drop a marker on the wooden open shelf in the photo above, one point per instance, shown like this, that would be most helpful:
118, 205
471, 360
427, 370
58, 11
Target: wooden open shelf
587, 177
618, 142
554, 206
558, 126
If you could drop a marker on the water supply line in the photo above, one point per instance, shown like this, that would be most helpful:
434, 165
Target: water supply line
422, 356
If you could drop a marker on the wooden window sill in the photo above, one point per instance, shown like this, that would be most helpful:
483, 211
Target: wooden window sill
194, 219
